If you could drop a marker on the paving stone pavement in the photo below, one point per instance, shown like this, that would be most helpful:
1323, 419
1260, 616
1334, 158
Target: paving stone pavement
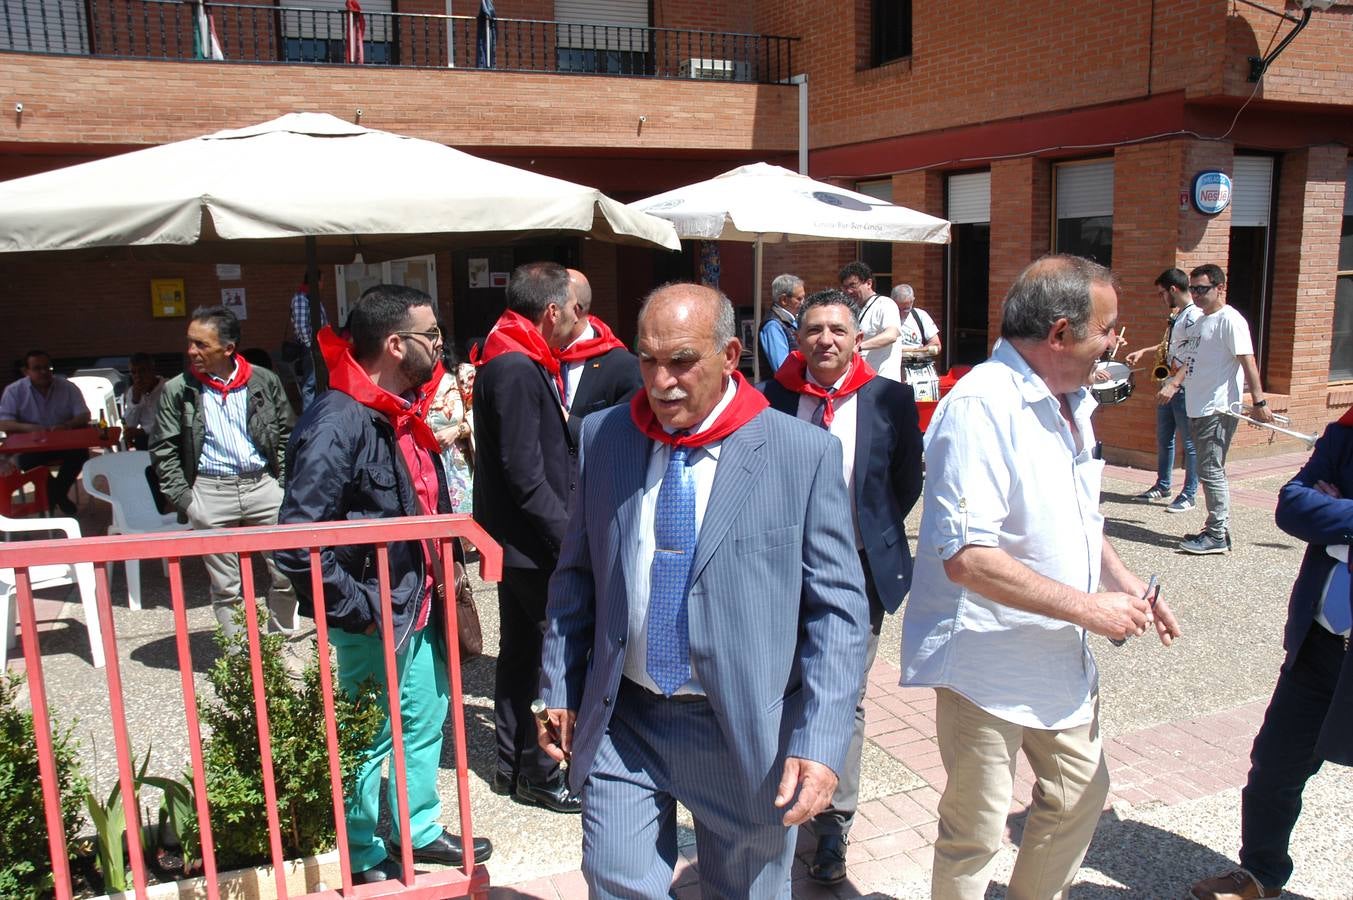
1177, 723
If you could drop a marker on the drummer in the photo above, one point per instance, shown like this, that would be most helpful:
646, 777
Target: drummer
918, 344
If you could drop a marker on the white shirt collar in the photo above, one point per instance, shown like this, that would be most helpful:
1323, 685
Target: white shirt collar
588, 333
712, 448
1032, 387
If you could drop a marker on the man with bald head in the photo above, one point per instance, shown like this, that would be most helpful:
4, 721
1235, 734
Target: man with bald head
1013, 578
597, 370
706, 627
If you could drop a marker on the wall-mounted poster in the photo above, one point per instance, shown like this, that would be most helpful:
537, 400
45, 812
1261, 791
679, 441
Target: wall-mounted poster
498, 279
233, 300
479, 272
167, 298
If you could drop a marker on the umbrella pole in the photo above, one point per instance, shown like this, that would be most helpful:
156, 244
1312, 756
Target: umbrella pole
312, 279
756, 313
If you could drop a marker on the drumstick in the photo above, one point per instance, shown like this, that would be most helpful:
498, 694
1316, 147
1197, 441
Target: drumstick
1121, 341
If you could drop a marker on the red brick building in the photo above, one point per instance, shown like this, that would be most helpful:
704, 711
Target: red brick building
1033, 126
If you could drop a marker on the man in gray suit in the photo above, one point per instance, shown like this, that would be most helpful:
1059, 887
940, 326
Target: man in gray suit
706, 627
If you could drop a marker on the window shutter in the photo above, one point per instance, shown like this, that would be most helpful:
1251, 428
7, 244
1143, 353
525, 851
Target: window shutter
970, 198
582, 24
879, 190
1085, 190
328, 25
44, 26
1251, 190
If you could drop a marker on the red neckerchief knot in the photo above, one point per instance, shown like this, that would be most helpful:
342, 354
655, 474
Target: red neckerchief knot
514, 333
747, 402
793, 375
603, 341
239, 379
347, 376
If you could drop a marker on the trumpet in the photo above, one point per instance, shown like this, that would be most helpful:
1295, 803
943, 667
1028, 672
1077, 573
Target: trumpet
1279, 424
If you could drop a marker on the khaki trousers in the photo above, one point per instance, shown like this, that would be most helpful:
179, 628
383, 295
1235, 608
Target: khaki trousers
978, 751
227, 501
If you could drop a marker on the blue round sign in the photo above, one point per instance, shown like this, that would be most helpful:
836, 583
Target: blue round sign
1211, 192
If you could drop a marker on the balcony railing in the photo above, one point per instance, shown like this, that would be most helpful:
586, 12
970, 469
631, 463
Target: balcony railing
254, 33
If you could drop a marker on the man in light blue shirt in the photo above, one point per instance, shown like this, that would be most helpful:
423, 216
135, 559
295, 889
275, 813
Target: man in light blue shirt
42, 401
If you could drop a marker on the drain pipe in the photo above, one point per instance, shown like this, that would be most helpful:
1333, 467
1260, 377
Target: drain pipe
802, 82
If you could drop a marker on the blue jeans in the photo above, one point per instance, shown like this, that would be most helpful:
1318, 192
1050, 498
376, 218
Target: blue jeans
1171, 419
1283, 757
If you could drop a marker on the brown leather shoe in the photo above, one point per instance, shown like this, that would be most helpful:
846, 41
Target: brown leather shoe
1237, 885
829, 862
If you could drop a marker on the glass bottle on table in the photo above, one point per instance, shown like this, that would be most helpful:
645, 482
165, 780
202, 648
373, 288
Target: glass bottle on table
103, 425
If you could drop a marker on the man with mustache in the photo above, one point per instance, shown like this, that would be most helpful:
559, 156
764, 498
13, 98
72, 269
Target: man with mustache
706, 628
827, 383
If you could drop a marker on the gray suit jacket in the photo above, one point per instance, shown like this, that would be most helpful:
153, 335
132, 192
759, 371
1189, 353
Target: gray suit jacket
777, 615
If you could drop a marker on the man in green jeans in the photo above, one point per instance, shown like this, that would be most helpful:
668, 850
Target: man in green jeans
362, 450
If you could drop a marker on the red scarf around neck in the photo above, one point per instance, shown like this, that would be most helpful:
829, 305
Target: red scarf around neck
241, 377
603, 341
514, 333
746, 403
347, 376
793, 375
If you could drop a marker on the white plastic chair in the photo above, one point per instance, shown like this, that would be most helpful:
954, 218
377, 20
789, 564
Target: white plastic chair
134, 510
43, 577
99, 397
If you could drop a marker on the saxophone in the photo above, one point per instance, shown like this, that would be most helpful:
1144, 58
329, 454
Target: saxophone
1161, 371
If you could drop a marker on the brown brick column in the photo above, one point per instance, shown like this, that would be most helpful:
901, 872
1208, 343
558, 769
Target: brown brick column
921, 265
1021, 194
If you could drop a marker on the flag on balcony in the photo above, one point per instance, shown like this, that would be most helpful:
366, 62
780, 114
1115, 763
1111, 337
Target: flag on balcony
205, 43
488, 33
354, 33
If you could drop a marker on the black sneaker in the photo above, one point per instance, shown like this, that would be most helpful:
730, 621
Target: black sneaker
1200, 544
1150, 496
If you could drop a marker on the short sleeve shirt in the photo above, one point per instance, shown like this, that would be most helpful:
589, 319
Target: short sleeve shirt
878, 314
22, 402
1003, 470
1215, 380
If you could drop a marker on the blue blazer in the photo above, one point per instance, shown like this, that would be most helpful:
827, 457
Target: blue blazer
887, 476
778, 620
1320, 520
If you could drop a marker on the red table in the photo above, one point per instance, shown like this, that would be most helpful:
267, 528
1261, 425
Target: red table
66, 439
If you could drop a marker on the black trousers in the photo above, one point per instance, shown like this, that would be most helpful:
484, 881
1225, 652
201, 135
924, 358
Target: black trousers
70, 461
521, 617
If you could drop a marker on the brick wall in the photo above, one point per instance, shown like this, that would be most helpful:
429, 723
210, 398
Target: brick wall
1020, 227
921, 265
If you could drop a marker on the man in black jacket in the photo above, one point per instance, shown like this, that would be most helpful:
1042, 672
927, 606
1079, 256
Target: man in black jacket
525, 476
363, 451
597, 371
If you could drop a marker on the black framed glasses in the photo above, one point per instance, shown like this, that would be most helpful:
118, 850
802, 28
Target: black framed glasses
1199, 290
434, 336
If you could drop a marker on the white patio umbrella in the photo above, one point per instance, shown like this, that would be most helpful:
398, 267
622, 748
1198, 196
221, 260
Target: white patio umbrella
264, 192
762, 204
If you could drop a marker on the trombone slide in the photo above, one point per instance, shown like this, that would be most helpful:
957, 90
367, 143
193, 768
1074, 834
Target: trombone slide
1242, 412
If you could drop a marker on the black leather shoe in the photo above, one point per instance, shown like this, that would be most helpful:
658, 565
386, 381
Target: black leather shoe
829, 862
385, 870
446, 850
503, 783
553, 795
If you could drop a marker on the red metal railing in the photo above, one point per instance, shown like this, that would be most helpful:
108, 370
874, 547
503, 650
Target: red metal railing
174, 547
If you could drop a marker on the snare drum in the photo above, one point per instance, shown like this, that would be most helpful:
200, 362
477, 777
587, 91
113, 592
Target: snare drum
1118, 386
924, 381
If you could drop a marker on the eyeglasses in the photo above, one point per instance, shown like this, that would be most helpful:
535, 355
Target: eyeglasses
39, 368
434, 336
1199, 290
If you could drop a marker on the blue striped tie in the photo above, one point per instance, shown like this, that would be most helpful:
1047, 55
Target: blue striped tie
669, 652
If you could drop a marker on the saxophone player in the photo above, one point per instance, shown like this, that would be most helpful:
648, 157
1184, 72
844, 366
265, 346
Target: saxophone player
1172, 286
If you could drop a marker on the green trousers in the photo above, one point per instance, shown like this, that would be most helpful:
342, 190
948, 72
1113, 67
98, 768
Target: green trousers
423, 703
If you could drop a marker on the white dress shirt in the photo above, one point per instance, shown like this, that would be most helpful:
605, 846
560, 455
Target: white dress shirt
573, 372
844, 412
1005, 470
702, 463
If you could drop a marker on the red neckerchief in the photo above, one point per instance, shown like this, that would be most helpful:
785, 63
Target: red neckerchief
746, 403
347, 376
793, 375
604, 341
514, 333
241, 377
1346, 419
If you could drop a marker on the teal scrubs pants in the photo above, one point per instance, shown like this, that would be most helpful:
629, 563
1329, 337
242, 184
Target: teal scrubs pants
423, 704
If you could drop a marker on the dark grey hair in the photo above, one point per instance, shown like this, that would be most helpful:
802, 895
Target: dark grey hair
534, 286
226, 323
784, 285
1051, 288
831, 297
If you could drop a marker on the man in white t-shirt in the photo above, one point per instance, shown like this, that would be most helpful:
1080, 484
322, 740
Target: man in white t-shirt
918, 344
1218, 351
880, 325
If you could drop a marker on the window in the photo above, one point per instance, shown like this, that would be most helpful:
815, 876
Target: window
44, 26
877, 255
608, 37
890, 24
1247, 281
969, 269
313, 32
1083, 199
1341, 345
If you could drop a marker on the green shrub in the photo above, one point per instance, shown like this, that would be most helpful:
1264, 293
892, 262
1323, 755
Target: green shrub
25, 864
300, 753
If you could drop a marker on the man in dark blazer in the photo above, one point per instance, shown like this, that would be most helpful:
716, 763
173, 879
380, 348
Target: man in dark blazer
828, 383
1310, 717
525, 475
706, 628
598, 372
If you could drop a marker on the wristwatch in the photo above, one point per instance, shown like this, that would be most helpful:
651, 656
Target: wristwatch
1260, 404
